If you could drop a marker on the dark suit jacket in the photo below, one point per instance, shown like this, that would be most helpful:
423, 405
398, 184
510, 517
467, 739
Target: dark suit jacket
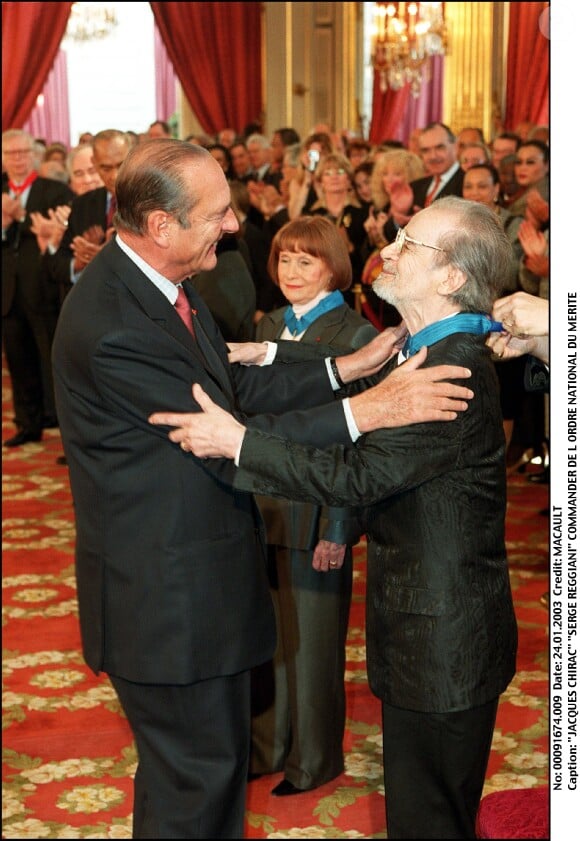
87, 210
229, 291
441, 630
255, 249
536, 375
171, 578
454, 187
20, 252
273, 178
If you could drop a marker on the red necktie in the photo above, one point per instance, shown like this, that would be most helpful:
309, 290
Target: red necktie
18, 189
111, 211
432, 192
183, 307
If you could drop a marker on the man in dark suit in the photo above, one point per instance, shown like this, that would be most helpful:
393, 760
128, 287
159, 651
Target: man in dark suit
90, 223
29, 307
241, 163
172, 588
441, 629
438, 149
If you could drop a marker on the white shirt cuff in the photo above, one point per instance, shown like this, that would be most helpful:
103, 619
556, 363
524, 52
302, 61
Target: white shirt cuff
237, 455
74, 276
350, 421
331, 377
270, 353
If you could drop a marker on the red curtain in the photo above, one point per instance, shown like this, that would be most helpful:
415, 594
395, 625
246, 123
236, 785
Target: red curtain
52, 123
165, 80
388, 110
527, 87
216, 51
31, 36
428, 107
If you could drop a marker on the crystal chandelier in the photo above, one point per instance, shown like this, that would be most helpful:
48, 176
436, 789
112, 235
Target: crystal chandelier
404, 37
89, 21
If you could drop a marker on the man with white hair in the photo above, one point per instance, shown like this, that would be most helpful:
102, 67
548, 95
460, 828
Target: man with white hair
441, 630
227, 137
260, 153
29, 308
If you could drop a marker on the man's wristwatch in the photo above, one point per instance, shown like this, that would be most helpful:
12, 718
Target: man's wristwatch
334, 368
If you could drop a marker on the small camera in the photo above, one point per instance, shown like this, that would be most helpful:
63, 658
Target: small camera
313, 158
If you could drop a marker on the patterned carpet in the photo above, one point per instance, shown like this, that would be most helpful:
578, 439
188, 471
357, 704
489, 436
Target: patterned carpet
68, 757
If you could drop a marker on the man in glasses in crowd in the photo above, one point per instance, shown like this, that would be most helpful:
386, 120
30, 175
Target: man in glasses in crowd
29, 305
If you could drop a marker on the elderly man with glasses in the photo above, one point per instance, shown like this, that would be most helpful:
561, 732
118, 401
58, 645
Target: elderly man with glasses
441, 630
29, 305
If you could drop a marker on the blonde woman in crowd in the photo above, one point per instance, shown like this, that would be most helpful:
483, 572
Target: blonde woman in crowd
393, 170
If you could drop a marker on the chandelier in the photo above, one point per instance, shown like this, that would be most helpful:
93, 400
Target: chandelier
403, 39
89, 21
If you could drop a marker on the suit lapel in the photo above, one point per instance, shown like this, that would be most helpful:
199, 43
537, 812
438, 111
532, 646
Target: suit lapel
325, 328
214, 364
322, 330
159, 310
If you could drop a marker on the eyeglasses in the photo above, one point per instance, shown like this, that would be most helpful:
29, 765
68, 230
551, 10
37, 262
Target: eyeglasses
339, 171
403, 237
12, 152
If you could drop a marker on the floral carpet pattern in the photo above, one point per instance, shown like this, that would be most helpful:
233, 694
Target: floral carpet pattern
68, 756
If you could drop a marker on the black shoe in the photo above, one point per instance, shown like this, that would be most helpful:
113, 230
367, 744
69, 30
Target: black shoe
61, 460
284, 788
541, 478
22, 437
521, 464
50, 423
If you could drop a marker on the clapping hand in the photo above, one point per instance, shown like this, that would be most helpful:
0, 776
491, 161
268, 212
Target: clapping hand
87, 246
49, 230
374, 225
271, 201
12, 210
535, 247
401, 196
537, 208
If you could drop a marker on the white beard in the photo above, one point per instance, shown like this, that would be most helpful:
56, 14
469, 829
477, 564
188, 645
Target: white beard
383, 286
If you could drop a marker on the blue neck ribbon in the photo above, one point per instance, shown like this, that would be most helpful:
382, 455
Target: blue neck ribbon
464, 322
299, 325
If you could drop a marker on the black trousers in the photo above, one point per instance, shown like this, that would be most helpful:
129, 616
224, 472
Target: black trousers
193, 747
27, 338
434, 765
